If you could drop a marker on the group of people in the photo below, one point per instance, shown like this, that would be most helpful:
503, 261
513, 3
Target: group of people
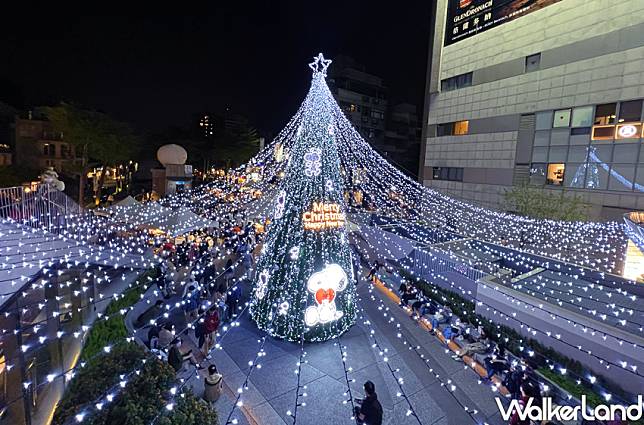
201, 277
516, 375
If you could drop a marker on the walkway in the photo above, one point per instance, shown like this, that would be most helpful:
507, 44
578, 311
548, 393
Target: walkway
271, 389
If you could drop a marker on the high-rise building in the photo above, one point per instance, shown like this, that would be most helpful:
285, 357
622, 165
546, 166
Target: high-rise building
214, 124
541, 92
402, 137
362, 97
208, 125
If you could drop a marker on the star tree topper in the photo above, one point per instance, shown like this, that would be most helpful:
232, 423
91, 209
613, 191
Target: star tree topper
320, 64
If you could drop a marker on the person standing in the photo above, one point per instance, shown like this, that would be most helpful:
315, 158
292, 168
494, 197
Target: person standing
213, 384
211, 325
202, 336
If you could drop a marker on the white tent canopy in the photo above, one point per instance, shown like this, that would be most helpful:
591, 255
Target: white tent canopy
128, 201
139, 214
27, 250
153, 215
180, 222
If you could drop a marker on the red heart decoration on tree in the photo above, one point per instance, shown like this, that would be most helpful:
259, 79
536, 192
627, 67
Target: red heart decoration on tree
324, 294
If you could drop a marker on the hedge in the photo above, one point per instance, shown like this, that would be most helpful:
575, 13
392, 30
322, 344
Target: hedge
112, 330
142, 399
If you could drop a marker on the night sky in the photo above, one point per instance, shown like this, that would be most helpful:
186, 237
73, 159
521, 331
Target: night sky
156, 71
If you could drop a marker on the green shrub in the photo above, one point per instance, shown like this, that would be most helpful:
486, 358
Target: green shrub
570, 386
113, 331
143, 398
535, 202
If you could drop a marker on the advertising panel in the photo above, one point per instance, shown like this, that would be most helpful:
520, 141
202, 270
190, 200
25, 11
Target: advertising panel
466, 18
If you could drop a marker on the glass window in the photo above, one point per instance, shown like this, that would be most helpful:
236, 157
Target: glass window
582, 117
604, 132
542, 138
436, 172
579, 139
561, 118
596, 176
603, 153
621, 177
560, 136
544, 120
464, 80
557, 154
641, 156
628, 131
532, 62
538, 173
577, 153
445, 129
461, 127
451, 84
540, 154
639, 179
626, 153
555, 175
459, 174
630, 111
451, 173
576, 175
579, 131
605, 114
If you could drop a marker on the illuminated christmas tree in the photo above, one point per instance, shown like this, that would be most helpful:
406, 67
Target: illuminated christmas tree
305, 285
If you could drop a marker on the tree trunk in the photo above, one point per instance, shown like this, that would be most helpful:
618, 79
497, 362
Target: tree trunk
101, 182
83, 178
81, 189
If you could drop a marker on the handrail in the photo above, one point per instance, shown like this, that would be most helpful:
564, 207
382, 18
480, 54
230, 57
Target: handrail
42, 207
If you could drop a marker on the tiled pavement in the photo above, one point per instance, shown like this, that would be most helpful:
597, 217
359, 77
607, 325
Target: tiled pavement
271, 389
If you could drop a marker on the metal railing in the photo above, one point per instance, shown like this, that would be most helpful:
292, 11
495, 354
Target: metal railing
423, 261
40, 207
635, 227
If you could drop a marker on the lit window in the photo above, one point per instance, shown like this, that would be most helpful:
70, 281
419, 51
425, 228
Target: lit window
605, 114
561, 118
461, 127
628, 131
603, 132
555, 174
582, 117
533, 62
352, 108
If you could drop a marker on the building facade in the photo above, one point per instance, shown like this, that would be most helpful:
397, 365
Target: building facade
541, 92
402, 137
362, 97
37, 146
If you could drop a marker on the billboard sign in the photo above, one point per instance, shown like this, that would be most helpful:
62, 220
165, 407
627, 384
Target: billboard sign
466, 18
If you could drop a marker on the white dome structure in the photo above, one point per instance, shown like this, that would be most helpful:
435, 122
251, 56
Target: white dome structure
172, 154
